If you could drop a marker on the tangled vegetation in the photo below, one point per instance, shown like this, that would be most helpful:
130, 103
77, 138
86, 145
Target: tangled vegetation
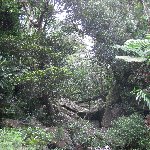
80, 68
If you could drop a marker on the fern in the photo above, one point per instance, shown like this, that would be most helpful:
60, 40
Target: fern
142, 95
139, 47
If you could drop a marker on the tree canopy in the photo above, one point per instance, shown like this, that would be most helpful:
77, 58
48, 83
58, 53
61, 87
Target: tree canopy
91, 64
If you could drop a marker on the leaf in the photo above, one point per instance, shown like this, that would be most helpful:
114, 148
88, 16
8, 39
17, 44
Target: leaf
131, 59
143, 95
1, 85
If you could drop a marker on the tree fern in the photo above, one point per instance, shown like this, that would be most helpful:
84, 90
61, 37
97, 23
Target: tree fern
140, 49
142, 95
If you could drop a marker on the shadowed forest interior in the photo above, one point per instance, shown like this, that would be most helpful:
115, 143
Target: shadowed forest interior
74, 74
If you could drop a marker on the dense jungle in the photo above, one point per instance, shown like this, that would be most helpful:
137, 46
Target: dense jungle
74, 74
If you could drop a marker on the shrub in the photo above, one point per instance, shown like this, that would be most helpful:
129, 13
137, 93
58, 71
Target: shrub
25, 138
10, 139
36, 136
84, 134
129, 133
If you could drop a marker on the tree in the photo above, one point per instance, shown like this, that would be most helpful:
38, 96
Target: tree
33, 61
89, 81
110, 23
9, 25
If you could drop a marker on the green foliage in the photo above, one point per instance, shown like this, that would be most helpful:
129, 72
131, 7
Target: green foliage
9, 25
88, 79
139, 47
83, 133
129, 133
25, 138
32, 64
9, 17
10, 139
142, 95
36, 136
108, 22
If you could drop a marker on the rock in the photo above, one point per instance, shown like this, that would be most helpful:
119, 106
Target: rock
147, 120
12, 123
95, 123
95, 112
70, 111
72, 106
52, 145
110, 114
107, 118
